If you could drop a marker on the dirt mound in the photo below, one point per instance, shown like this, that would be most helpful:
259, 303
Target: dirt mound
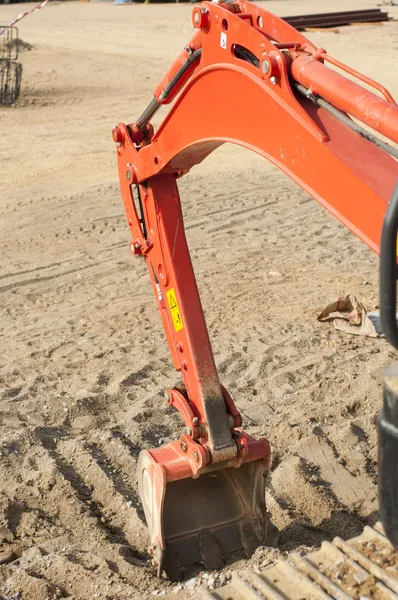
19, 45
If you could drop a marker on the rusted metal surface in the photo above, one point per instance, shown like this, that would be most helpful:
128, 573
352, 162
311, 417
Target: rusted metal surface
10, 70
363, 567
9, 43
10, 81
336, 19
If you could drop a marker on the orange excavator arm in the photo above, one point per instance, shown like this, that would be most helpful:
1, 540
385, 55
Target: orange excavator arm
249, 78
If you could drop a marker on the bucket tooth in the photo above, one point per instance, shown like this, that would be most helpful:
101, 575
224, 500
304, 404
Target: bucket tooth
171, 564
210, 551
250, 541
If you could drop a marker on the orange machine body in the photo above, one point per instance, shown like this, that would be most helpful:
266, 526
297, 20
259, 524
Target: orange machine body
235, 82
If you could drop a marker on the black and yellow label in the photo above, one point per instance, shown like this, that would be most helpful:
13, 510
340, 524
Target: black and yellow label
174, 309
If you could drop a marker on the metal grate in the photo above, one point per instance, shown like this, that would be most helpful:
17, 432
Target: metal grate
8, 43
10, 81
10, 71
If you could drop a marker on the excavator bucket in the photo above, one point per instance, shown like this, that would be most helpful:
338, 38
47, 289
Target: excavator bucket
202, 520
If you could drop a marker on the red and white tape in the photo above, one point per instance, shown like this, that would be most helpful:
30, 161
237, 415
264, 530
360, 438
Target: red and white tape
22, 15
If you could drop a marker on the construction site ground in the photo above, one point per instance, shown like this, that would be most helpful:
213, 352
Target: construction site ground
83, 357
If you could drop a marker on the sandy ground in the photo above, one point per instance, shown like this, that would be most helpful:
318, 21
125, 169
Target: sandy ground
83, 358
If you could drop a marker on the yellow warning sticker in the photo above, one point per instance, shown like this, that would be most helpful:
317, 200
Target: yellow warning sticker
174, 310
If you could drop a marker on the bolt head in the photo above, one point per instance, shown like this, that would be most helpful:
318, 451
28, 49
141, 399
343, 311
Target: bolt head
200, 18
117, 135
135, 248
265, 66
274, 80
196, 456
183, 446
130, 173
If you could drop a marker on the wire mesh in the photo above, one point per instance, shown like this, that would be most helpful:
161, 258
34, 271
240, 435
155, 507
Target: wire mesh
10, 81
8, 43
10, 71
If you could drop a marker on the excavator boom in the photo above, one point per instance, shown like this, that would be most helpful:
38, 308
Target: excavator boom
249, 78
